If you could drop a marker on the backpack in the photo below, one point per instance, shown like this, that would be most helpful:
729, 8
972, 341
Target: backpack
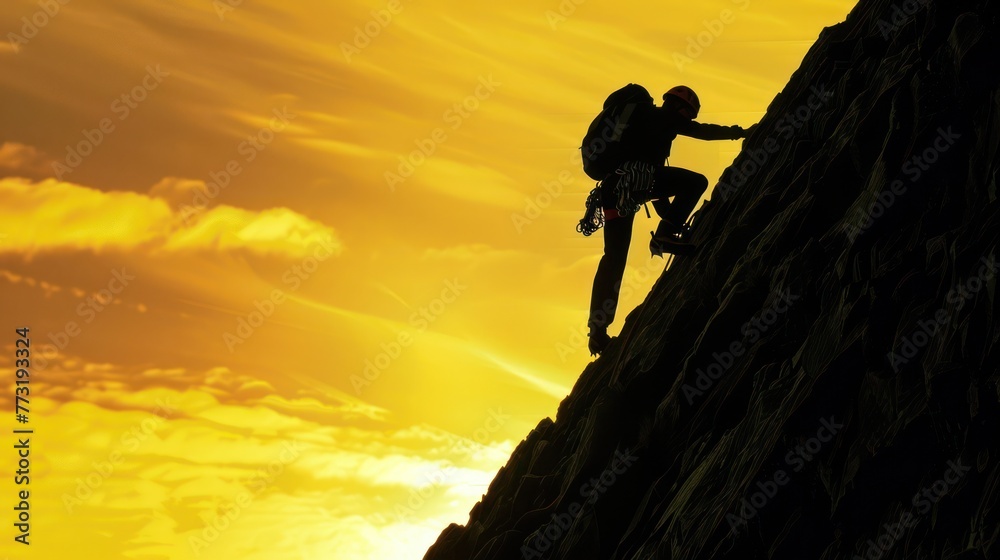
603, 148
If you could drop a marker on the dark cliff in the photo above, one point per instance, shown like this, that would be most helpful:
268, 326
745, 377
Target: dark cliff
820, 380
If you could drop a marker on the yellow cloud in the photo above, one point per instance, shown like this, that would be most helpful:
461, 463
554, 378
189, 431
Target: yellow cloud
277, 231
52, 215
214, 475
176, 191
22, 160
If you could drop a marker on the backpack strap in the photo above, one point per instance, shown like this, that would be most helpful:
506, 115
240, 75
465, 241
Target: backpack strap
622, 122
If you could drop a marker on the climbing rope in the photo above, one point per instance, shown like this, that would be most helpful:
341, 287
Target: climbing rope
593, 218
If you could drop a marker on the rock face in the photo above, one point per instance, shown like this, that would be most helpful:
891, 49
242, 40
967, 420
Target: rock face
820, 381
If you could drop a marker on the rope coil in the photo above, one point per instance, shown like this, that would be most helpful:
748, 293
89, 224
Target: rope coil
593, 218
632, 183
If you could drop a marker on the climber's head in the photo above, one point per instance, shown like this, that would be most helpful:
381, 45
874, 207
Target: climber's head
684, 100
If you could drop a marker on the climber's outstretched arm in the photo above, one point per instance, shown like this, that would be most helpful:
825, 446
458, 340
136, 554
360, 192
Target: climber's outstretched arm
705, 131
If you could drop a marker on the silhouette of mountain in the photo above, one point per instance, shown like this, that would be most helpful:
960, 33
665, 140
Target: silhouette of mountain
820, 381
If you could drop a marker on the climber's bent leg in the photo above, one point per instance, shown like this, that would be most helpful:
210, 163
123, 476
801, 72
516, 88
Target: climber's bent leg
685, 186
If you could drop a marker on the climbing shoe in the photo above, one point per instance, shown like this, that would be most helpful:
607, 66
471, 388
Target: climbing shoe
659, 244
667, 227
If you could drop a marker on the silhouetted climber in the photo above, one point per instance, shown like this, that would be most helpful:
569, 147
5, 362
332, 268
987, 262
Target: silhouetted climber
624, 149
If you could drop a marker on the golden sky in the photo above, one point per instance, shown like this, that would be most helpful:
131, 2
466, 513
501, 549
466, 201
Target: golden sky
299, 275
